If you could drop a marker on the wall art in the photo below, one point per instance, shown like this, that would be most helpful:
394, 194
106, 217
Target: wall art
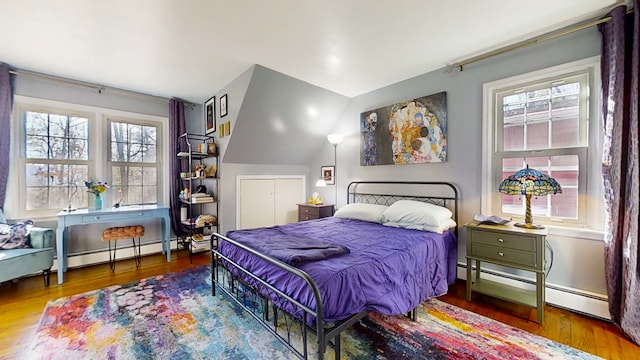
408, 132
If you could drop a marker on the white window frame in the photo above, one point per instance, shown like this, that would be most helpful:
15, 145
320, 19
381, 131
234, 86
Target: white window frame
590, 207
157, 164
15, 207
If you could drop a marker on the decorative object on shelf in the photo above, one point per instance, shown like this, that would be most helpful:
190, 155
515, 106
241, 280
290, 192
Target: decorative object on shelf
211, 171
212, 149
223, 106
411, 132
529, 182
315, 199
210, 115
96, 188
227, 128
199, 170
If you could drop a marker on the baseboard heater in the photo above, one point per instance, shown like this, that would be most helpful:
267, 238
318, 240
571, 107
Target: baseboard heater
572, 299
125, 251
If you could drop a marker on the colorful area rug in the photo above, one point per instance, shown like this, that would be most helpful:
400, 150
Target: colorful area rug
174, 316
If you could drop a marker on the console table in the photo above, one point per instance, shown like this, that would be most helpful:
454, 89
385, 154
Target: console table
125, 213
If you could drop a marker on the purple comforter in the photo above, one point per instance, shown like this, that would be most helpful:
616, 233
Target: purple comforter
388, 270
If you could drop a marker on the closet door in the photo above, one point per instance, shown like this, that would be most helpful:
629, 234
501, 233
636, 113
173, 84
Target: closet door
288, 195
256, 203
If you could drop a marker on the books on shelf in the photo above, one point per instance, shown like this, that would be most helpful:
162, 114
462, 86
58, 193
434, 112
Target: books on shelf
199, 242
201, 199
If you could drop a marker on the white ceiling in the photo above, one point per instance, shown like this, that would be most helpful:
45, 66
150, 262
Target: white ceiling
192, 48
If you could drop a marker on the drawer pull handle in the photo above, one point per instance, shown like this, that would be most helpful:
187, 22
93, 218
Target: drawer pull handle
306, 210
501, 253
140, 214
500, 240
97, 217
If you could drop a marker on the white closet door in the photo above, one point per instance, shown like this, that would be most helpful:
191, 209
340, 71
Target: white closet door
288, 195
256, 203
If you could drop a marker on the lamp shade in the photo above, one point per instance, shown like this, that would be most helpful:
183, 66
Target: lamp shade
335, 139
321, 182
529, 182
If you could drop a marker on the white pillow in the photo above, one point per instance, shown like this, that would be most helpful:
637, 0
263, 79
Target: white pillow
416, 212
446, 224
361, 211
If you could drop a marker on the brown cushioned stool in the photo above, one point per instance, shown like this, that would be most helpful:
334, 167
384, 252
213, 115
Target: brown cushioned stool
123, 232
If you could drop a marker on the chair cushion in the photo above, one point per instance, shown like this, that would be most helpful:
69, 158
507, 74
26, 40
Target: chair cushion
21, 262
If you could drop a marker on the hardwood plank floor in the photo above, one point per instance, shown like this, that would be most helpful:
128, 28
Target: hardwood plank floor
22, 302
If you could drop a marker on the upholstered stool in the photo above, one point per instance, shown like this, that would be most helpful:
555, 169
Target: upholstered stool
123, 232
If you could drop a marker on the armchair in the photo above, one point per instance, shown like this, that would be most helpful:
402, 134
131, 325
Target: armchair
15, 263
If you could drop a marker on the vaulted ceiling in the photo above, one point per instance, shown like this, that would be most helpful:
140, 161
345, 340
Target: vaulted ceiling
191, 49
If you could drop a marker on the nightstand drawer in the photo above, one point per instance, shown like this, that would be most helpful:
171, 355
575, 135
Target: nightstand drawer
312, 212
501, 254
510, 241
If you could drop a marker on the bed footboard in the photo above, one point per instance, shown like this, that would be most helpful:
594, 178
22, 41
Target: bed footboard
233, 279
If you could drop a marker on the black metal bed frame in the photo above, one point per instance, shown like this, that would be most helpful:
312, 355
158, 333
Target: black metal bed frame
226, 275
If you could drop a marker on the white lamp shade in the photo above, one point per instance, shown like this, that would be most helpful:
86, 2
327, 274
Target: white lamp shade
321, 183
335, 139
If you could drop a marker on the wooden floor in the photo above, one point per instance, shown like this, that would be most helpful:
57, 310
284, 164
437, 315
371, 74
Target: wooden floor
22, 302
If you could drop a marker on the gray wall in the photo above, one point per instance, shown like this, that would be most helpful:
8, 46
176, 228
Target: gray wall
87, 238
463, 167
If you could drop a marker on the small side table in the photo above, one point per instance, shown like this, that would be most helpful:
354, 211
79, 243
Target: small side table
311, 211
511, 246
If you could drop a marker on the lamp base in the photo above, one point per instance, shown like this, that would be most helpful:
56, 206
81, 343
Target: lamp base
528, 225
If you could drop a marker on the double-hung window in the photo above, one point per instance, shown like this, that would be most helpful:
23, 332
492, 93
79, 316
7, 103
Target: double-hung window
547, 120
133, 161
60, 145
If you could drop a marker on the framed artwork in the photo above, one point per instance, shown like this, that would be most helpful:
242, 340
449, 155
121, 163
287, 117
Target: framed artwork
221, 130
210, 115
408, 132
223, 105
227, 128
328, 174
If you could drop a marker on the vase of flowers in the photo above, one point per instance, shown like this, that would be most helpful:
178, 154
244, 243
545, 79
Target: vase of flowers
96, 188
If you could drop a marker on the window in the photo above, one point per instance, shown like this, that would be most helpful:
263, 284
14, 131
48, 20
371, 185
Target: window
134, 162
545, 120
62, 145
56, 157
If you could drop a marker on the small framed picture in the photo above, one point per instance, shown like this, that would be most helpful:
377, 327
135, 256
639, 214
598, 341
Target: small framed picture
223, 105
221, 130
210, 115
227, 128
328, 174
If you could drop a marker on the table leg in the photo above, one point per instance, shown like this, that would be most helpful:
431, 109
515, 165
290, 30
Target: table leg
62, 259
166, 236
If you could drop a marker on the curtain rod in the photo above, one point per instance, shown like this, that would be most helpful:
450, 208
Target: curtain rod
99, 88
549, 36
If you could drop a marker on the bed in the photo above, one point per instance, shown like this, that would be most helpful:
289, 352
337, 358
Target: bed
321, 276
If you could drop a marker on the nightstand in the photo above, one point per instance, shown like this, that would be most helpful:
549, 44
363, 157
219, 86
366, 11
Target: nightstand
511, 246
311, 211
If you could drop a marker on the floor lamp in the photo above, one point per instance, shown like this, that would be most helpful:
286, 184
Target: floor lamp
335, 139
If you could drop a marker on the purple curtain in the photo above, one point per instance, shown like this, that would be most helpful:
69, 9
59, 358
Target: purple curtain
6, 105
620, 77
176, 166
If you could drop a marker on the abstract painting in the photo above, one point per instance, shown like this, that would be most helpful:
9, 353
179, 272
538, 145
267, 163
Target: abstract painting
408, 132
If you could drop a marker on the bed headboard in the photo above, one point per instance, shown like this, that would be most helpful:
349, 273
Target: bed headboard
387, 192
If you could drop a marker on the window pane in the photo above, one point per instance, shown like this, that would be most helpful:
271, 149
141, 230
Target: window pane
134, 195
134, 175
78, 128
150, 196
37, 147
565, 205
58, 125
58, 148
119, 151
135, 153
538, 136
565, 132
50, 186
36, 123
150, 176
513, 138
78, 149
119, 132
149, 154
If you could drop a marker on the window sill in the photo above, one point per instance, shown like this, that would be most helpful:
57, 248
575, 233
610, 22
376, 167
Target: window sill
576, 232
